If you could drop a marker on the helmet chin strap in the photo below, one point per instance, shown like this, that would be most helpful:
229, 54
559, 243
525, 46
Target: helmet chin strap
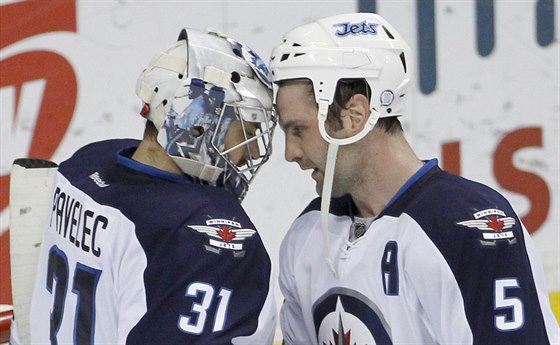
327, 183
326, 203
332, 151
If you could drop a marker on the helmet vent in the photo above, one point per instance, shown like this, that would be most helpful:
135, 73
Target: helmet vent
237, 51
297, 54
285, 57
197, 131
388, 33
235, 77
403, 60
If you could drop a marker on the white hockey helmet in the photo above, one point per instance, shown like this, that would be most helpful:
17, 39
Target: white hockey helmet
357, 45
193, 90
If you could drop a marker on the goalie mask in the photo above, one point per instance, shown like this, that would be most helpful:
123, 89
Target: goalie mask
358, 45
199, 88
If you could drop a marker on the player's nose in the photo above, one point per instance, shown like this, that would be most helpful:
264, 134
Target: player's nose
292, 151
253, 150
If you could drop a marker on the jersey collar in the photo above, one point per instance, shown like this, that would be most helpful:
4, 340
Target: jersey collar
124, 157
428, 165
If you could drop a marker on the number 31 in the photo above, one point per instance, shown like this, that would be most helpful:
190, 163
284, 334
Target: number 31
186, 323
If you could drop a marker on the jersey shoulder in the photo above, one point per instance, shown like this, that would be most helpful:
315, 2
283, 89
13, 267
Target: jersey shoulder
97, 152
440, 199
483, 242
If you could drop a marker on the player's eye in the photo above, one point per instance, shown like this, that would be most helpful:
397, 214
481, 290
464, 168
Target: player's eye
296, 131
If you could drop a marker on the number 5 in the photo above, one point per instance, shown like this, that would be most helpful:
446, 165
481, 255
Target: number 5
505, 322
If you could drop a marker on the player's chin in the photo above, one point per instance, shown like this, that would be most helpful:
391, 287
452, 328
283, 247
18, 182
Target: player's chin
319, 186
317, 175
319, 190
318, 178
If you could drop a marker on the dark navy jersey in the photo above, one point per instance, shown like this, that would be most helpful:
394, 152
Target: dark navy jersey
447, 261
133, 254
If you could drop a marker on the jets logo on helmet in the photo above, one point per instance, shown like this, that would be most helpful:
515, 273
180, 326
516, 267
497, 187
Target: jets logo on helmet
364, 28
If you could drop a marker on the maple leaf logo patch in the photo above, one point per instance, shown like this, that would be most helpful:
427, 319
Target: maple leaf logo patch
224, 234
492, 223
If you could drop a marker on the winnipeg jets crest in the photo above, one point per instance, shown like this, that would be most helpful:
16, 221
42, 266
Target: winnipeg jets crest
224, 234
346, 317
348, 329
493, 224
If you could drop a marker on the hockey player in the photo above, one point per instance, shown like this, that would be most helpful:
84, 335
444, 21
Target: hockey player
145, 246
411, 254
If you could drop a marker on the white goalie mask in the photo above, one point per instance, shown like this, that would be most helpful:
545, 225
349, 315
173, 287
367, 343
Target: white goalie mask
198, 88
358, 45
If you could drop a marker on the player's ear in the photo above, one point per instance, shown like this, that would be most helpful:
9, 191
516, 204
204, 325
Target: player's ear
357, 109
